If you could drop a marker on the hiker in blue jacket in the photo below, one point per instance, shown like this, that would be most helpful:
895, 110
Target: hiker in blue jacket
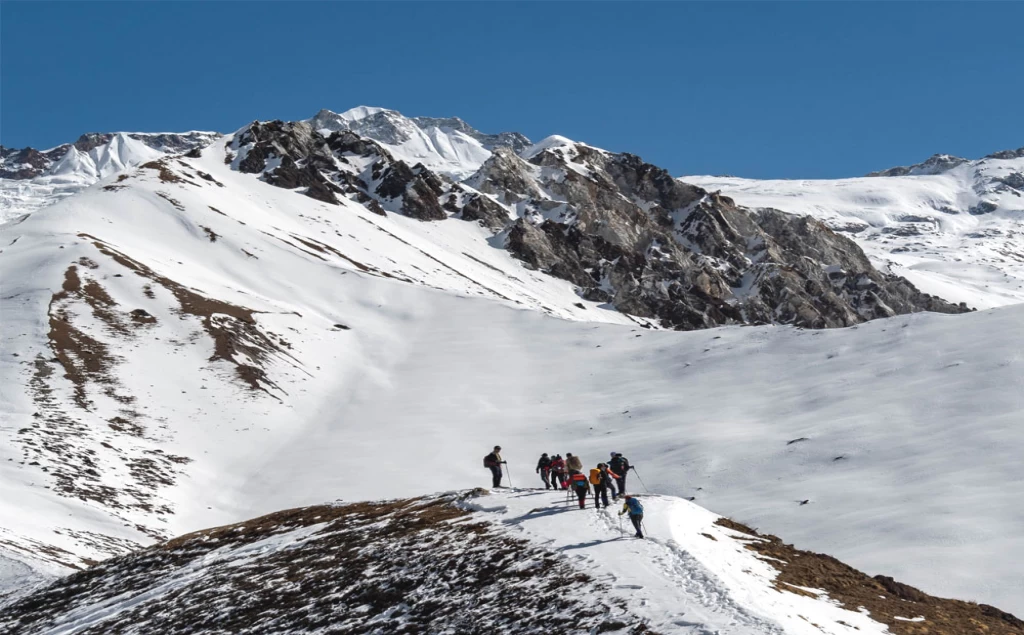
635, 510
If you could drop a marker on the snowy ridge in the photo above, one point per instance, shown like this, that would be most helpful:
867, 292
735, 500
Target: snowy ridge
32, 180
446, 146
517, 561
955, 230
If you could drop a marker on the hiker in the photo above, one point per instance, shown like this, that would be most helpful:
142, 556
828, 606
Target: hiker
558, 472
580, 485
493, 462
619, 465
636, 513
544, 469
574, 464
602, 480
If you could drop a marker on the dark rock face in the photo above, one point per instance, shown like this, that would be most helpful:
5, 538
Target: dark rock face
482, 208
290, 143
1014, 180
343, 163
1007, 154
983, 207
626, 233
623, 231
935, 164
26, 163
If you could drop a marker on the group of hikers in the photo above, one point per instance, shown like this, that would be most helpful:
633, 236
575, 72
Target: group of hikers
567, 474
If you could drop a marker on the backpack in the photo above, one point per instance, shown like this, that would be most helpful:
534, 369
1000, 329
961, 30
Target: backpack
579, 480
595, 476
635, 508
619, 465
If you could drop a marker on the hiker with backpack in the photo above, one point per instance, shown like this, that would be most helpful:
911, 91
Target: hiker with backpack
581, 485
601, 479
558, 476
635, 510
574, 463
493, 462
544, 469
619, 465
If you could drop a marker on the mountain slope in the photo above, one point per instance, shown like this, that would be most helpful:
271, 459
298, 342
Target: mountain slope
951, 226
518, 562
621, 230
202, 340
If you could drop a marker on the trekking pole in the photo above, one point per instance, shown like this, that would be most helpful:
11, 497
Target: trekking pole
509, 474
640, 479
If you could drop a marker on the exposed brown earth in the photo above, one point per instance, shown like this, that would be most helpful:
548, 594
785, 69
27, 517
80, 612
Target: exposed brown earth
233, 328
884, 598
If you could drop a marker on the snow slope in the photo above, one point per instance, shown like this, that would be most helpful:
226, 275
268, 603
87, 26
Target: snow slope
957, 233
304, 352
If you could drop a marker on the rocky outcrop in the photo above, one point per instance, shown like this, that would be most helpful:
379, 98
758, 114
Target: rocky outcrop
1007, 154
299, 153
479, 207
935, 164
628, 234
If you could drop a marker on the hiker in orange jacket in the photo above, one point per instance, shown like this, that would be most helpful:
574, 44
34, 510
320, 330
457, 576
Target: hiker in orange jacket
601, 478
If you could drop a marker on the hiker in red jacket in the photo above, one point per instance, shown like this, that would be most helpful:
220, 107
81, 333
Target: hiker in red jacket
558, 472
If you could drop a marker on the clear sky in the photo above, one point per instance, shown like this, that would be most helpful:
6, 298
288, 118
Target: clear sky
788, 90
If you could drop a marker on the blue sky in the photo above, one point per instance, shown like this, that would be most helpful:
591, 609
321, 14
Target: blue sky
765, 90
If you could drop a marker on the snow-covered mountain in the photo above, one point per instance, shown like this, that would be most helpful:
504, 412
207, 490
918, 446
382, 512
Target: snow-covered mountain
284, 317
953, 227
509, 562
447, 146
31, 179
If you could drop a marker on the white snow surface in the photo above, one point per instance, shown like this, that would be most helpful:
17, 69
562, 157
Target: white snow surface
920, 227
909, 463
689, 575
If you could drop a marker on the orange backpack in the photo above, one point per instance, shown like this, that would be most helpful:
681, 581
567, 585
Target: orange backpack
595, 476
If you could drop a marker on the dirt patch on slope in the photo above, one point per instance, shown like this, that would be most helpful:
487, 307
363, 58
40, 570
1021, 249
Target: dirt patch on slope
83, 357
237, 338
164, 173
882, 596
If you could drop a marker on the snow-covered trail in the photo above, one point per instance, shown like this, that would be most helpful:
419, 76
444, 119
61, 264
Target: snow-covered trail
689, 576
